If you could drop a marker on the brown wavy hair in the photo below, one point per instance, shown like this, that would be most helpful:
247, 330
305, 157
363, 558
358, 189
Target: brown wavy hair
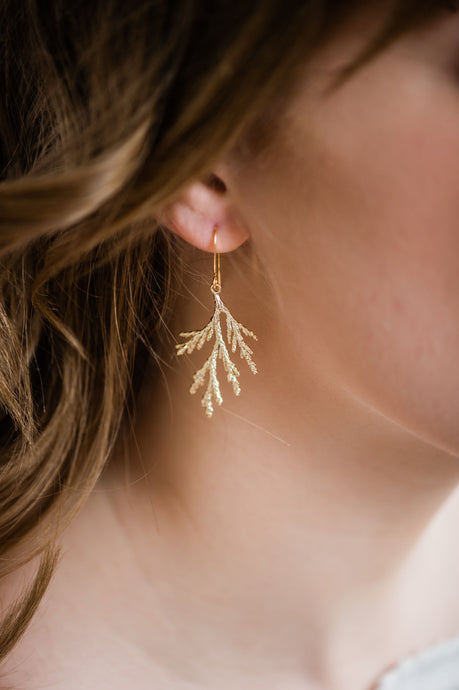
108, 110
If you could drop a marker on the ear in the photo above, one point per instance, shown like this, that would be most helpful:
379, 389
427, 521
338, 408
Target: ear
198, 209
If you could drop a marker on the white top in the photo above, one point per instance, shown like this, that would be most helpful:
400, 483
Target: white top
434, 668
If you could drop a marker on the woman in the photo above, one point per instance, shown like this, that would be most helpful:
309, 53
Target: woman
301, 534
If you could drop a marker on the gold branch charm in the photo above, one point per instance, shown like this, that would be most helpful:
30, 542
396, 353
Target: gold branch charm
234, 336
234, 331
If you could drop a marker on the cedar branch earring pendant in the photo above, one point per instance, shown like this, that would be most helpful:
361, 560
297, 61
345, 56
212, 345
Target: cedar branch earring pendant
234, 333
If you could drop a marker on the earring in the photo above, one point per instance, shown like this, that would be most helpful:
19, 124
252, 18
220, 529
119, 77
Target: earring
234, 332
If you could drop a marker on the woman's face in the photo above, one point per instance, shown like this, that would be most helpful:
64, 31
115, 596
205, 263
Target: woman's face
354, 210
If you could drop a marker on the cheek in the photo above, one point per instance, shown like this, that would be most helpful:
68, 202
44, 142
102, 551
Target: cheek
387, 238
364, 250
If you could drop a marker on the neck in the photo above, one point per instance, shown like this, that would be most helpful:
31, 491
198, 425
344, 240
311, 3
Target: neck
293, 529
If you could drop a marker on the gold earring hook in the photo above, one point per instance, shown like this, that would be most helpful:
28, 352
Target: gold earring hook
217, 282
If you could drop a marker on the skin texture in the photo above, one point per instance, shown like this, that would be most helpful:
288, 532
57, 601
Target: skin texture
304, 537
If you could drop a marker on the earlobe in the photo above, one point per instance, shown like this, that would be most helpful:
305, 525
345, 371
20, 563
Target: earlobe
198, 209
